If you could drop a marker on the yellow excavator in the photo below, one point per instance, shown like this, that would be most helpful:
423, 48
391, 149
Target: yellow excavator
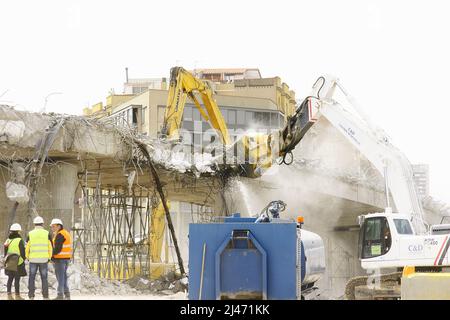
261, 149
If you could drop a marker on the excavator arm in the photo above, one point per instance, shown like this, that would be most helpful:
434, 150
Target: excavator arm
182, 85
373, 143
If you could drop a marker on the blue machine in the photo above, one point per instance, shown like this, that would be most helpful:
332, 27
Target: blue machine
241, 259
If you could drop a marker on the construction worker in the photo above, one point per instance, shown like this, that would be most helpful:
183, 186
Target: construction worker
62, 253
38, 252
15, 245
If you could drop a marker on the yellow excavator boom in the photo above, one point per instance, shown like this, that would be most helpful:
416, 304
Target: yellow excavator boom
182, 85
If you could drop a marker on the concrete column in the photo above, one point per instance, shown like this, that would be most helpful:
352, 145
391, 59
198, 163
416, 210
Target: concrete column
62, 185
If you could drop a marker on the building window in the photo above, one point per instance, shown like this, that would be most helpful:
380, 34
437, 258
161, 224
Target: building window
275, 120
197, 139
240, 117
187, 114
248, 117
196, 114
188, 125
224, 113
232, 116
129, 117
137, 90
135, 116
262, 118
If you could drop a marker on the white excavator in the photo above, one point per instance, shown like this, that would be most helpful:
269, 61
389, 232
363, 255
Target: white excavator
388, 240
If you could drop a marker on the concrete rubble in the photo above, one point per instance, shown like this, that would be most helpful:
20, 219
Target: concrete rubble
17, 192
81, 281
164, 155
168, 284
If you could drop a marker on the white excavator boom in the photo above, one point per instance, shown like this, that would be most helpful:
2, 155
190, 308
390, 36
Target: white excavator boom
373, 143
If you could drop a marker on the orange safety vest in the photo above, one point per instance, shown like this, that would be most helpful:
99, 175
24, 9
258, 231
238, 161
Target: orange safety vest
66, 251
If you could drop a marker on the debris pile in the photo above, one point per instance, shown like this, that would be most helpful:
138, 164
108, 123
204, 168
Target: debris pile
84, 281
81, 281
174, 158
167, 285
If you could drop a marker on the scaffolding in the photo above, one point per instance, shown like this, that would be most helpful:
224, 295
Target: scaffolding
112, 238
112, 235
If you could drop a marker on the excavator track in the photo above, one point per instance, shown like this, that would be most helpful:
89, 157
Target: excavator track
384, 292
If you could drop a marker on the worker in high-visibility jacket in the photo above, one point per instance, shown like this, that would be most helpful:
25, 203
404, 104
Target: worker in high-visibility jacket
14, 245
62, 253
39, 252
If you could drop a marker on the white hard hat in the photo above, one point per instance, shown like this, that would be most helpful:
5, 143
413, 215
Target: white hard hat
38, 220
15, 227
56, 221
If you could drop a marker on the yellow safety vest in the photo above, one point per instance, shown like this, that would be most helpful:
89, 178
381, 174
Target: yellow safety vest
13, 247
66, 251
39, 246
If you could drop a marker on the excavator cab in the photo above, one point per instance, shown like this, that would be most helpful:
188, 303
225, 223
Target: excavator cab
375, 237
378, 230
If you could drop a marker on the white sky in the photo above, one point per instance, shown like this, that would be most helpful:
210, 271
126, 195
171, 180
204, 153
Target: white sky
392, 56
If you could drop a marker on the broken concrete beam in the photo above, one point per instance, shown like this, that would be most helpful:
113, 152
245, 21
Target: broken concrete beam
24, 130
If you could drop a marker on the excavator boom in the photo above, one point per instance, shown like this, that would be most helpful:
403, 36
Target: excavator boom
183, 85
374, 144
